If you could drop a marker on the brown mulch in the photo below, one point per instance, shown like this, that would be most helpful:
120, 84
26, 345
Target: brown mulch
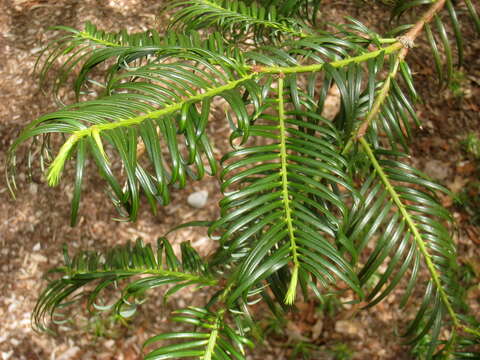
35, 225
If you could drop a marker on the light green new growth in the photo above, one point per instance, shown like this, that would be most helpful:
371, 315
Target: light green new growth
212, 340
56, 167
290, 296
87, 36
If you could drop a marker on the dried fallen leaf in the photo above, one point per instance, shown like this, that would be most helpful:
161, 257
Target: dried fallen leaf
466, 168
473, 233
294, 333
458, 184
317, 329
349, 327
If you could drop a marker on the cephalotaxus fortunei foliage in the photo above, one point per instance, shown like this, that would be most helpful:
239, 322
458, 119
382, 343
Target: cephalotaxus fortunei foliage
312, 206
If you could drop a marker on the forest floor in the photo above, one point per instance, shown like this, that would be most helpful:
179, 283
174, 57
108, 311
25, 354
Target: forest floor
35, 225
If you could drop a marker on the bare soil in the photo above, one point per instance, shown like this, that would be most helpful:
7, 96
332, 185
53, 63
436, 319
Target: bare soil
35, 225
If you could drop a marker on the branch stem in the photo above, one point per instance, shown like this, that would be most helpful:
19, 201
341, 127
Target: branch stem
376, 107
336, 64
87, 36
413, 33
422, 247
407, 40
290, 296
212, 339
232, 85
254, 71
133, 272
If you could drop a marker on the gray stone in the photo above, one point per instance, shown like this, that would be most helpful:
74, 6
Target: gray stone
198, 199
437, 169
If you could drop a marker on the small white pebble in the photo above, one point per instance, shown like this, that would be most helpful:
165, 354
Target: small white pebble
38, 258
109, 343
33, 188
198, 199
14, 342
25, 322
181, 303
7, 355
36, 50
69, 354
36, 247
201, 242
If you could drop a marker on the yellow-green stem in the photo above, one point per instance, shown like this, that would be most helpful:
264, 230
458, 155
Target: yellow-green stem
94, 130
212, 340
290, 296
422, 247
87, 36
475, 332
159, 272
377, 105
336, 64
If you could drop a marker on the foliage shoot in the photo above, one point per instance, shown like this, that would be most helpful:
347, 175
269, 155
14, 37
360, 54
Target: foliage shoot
312, 206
